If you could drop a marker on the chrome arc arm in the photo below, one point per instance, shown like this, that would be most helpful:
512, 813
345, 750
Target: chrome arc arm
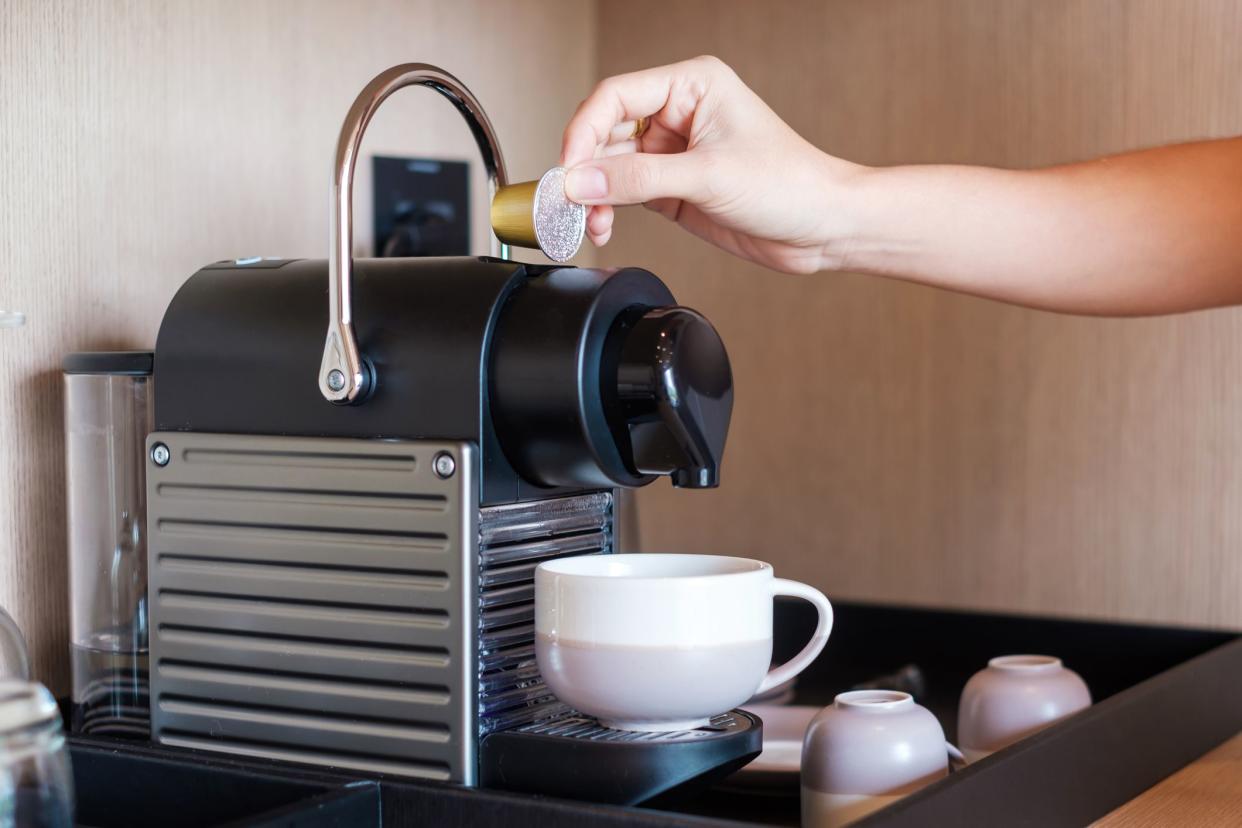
343, 375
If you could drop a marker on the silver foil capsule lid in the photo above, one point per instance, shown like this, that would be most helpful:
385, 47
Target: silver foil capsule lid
560, 223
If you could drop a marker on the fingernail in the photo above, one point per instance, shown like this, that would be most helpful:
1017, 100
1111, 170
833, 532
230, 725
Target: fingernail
586, 183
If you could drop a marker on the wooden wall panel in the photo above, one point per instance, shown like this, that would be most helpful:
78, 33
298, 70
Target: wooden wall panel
899, 443
141, 139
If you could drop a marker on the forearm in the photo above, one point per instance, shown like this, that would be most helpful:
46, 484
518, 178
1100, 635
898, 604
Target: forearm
1147, 232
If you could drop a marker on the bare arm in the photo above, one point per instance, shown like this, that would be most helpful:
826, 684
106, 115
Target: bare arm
1147, 232
1155, 231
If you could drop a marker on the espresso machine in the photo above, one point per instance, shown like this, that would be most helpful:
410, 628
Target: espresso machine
344, 526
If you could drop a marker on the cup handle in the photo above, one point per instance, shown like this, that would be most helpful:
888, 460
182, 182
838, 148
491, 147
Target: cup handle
815, 646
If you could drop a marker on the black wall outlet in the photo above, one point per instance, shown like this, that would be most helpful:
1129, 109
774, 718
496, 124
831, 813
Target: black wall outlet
422, 207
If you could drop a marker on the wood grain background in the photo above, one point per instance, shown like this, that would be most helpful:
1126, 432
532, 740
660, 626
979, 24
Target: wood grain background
899, 443
890, 442
142, 140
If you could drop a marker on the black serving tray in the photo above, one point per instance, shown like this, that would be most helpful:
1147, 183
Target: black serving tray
124, 785
1164, 696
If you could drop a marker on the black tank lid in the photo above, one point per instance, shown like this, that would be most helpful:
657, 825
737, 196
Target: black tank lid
116, 363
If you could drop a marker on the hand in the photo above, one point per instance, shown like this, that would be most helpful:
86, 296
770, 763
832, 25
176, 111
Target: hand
714, 158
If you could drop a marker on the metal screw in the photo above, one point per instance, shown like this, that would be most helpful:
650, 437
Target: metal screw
336, 379
444, 465
160, 455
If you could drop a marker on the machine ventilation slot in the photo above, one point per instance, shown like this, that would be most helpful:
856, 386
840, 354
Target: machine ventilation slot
263, 713
221, 677
365, 762
513, 540
434, 654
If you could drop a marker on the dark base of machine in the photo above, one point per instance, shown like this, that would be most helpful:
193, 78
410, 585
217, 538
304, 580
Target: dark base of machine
577, 758
1164, 696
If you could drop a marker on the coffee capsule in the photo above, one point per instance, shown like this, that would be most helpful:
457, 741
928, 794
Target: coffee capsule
538, 215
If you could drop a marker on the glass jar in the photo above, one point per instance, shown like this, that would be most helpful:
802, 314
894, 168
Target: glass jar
108, 408
14, 662
36, 780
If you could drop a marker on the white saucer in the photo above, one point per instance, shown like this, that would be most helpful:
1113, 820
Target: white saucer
784, 727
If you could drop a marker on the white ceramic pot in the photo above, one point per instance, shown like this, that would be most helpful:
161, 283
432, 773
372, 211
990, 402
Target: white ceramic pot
662, 642
1013, 697
865, 751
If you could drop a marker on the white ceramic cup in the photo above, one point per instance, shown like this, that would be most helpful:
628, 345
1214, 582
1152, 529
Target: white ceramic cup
662, 642
865, 751
1013, 697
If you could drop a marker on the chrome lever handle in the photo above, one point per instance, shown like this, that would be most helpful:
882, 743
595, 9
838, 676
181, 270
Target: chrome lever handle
342, 376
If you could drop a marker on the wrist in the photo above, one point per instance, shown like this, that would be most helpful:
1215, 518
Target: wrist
842, 186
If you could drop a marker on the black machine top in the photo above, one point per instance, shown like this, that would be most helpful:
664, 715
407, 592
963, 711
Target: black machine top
568, 379
110, 363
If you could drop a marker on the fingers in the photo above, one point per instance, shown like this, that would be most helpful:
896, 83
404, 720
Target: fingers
624, 131
634, 178
619, 148
657, 139
599, 224
670, 93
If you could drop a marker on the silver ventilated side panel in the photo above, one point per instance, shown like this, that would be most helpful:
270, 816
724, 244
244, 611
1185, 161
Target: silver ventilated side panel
313, 600
513, 540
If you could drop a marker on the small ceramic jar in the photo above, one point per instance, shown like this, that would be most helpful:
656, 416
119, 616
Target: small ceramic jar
868, 749
1014, 697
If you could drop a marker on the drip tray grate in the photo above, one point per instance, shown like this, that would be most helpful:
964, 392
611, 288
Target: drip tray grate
578, 726
576, 757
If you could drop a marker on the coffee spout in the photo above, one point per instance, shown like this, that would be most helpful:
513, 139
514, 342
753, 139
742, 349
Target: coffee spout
676, 387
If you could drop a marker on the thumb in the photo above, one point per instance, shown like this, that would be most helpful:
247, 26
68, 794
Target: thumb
635, 178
